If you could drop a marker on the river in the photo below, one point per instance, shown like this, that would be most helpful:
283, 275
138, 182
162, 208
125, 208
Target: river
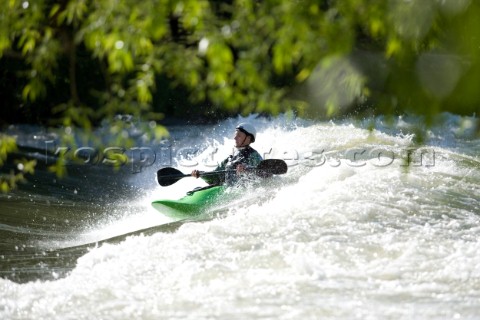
365, 225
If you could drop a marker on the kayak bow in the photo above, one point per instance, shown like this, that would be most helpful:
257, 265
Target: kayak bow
194, 203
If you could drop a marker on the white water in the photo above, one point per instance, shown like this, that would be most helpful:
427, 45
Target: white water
367, 239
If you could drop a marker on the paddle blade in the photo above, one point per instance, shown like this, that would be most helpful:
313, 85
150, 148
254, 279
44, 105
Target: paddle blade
168, 176
272, 166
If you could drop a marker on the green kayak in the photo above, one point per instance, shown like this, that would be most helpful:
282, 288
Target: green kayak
194, 203
200, 200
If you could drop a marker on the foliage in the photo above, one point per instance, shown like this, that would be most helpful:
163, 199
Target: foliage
10, 180
77, 62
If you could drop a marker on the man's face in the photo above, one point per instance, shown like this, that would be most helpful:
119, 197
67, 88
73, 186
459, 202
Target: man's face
241, 139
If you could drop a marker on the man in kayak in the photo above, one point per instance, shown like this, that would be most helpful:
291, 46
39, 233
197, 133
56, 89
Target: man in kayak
244, 157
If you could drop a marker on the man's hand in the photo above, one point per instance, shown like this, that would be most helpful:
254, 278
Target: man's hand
195, 173
241, 168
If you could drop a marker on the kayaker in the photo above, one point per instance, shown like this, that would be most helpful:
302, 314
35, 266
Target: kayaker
244, 158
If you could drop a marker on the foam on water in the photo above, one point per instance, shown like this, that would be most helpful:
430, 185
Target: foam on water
337, 239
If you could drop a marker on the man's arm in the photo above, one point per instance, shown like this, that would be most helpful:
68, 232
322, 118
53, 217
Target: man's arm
217, 179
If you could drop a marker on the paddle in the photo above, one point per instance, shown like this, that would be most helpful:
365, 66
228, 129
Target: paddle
168, 176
